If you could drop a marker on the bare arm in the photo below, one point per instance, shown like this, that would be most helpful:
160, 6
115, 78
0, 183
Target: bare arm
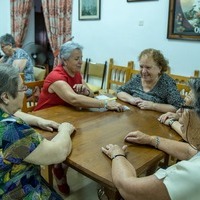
125, 179
65, 92
145, 105
32, 120
20, 64
180, 150
54, 151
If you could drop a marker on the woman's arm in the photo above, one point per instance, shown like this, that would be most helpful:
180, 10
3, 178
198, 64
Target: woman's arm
180, 150
125, 178
65, 92
54, 151
32, 120
20, 64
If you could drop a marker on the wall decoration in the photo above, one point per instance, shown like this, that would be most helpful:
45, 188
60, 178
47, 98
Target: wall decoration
184, 20
89, 9
140, 0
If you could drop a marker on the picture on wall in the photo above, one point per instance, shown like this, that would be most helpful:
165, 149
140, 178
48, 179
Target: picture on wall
139, 0
184, 19
89, 9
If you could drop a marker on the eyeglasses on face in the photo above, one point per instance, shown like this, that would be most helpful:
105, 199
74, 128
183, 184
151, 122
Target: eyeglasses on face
186, 107
23, 88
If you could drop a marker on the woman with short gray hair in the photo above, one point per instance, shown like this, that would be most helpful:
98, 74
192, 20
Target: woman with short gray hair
17, 57
23, 149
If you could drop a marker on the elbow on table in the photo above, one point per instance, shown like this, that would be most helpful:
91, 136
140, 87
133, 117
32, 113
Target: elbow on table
62, 152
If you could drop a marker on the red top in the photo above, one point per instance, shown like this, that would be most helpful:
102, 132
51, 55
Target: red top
47, 99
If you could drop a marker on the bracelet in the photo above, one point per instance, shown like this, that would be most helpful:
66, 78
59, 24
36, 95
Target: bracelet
157, 142
117, 156
171, 121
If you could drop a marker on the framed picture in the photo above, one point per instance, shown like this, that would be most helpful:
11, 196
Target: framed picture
184, 20
140, 0
89, 9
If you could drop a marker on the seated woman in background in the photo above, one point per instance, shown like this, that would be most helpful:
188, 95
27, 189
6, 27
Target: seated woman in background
177, 120
152, 89
17, 57
177, 182
65, 85
22, 149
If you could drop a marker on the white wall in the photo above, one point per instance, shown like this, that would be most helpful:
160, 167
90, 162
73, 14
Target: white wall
118, 34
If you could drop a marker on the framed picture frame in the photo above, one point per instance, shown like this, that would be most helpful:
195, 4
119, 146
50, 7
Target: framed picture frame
89, 10
140, 0
184, 20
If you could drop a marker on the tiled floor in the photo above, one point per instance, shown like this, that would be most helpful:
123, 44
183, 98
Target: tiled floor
81, 187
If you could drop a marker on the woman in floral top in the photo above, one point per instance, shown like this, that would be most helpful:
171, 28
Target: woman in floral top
22, 149
152, 89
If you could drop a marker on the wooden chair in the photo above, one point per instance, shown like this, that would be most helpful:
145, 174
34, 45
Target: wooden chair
133, 72
28, 106
95, 75
40, 72
84, 67
118, 75
29, 103
181, 83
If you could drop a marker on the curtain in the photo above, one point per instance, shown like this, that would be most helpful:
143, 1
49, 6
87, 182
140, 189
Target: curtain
58, 17
20, 10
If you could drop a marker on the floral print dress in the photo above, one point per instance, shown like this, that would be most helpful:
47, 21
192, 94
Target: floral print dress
19, 179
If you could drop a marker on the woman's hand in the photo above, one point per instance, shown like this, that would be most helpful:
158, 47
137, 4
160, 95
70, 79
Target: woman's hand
48, 125
134, 100
66, 127
111, 150
81, 89
145, 105
138, 137
113, 105
164, 118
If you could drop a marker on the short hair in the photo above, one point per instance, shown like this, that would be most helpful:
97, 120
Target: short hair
194, 84
158, 58
67, 49
7, 39
9, 80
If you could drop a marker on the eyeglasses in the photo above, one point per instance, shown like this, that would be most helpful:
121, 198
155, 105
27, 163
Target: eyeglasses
23, 88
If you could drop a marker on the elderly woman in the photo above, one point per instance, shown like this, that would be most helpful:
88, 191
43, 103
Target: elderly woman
152, 89
179, 181
17, 57
65, 85
22, 149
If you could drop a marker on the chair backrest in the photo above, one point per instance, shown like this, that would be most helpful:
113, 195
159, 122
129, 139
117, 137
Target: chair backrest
39, 73
118, 75
196, 73
133, 72
97, 73
29, 103
181, 83
84, 67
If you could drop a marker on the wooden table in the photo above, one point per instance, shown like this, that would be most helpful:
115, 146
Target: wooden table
96, 129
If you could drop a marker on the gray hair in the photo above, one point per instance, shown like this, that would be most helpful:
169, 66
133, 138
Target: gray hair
9, 80
67, 48
194, 84
7, 39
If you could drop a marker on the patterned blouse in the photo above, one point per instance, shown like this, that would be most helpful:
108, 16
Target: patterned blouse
21, 54
165, 91
19, 179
